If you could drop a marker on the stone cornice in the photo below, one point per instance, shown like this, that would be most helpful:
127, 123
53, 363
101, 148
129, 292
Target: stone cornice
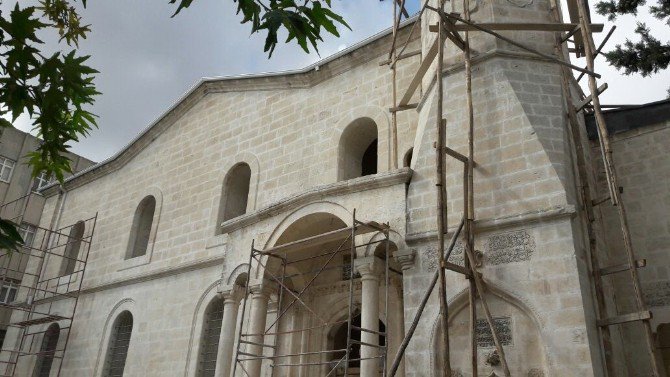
369, 182
155, 274
367, 50
484, 225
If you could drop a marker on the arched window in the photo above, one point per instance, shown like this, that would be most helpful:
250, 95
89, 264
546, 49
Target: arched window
71, 254
358, 152
340, 341
407, 160
209, 344
141, 229
47, 351
119, 340
235, 194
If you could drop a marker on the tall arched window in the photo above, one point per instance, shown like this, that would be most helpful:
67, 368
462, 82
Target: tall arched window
339, 341
141, 229
47, 351
235, 194
358, 152
71, 253
209, 343
119, 341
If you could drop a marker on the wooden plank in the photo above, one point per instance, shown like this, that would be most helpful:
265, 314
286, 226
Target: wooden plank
521, 26
456, 268
455, 155
404, 107
335, 235
640, 263
630, 317
580, 106
418, 76
401, 57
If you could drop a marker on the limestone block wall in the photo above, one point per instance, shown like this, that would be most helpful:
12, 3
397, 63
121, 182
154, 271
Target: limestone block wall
643, 168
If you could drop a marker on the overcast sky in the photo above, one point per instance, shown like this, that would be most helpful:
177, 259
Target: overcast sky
147, 60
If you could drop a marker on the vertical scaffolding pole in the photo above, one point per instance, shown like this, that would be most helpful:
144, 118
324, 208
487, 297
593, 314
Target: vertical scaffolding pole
613, 185
441, 197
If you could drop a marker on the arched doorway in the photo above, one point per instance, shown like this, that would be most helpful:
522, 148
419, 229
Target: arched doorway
338, 341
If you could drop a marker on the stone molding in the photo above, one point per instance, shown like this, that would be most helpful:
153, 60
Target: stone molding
234, 294
369, 267
484, 225
155, 274
369, 182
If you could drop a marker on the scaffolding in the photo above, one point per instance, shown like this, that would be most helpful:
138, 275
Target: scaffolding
335, 362
456, 28
41, 295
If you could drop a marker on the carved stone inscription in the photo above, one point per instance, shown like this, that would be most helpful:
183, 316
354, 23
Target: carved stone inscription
509, 247
657, 294
503, 326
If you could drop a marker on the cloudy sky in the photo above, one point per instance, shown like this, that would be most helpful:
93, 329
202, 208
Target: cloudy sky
147, 60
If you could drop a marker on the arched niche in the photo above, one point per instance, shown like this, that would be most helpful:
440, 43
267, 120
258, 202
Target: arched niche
234, 194
358, 150
517, 329
140, 232
71, 254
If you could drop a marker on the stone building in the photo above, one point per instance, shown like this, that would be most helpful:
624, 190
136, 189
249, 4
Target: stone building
19, 200
276, 158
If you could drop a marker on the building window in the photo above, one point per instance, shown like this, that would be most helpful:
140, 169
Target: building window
47, 351
119, 341
235, 194
6, 168
358, 150
141, 228
27, 232
8, 291
41, 181
211, 330
72, 247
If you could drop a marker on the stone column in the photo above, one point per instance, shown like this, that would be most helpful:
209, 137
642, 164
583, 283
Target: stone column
370, 269
260, 294
231, 303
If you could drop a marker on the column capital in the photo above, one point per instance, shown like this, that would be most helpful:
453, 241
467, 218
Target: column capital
262, 289
405, 258
369, 267
233, 294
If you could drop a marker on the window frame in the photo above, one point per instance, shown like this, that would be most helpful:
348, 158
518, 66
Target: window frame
6, 163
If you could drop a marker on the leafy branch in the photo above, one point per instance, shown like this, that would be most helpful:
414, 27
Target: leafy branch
303, 21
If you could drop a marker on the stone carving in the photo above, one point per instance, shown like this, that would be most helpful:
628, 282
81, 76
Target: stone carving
657, 293
339, 287
503, 326
429, 259
510, 247
520, 4
535, 372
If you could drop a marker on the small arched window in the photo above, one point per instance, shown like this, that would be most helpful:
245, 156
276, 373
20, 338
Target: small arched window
209, 344
141, 229
119, 341
47, 351
235, 194
71, 254
358, 151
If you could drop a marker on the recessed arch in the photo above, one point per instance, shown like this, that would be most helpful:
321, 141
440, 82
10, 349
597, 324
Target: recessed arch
48, 350
235, 194
518, 328
71, 254
140, 232
358, 147
118, 346
407, 159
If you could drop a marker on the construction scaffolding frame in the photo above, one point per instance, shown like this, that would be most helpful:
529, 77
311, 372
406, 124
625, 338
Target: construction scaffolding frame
43, 296
348, 244
580, 33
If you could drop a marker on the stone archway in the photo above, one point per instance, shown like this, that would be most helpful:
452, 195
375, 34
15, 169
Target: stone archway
517, 328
